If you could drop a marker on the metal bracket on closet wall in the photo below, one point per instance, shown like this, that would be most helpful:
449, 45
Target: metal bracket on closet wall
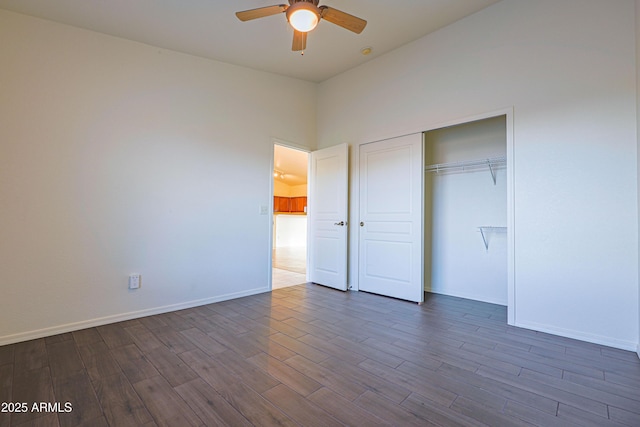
486, 229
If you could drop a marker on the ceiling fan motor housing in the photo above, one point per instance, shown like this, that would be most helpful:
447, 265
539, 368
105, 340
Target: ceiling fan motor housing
314, 2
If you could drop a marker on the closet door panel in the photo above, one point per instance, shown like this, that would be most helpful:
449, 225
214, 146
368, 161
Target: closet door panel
390, 238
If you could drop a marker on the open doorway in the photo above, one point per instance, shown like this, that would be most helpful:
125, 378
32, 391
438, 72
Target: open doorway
289, 251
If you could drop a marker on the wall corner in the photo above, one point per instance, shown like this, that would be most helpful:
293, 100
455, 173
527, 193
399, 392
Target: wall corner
637, 34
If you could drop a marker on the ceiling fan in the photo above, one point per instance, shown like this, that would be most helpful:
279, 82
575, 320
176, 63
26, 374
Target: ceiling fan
304, 15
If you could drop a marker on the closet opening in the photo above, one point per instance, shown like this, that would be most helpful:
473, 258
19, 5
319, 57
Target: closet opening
465, 212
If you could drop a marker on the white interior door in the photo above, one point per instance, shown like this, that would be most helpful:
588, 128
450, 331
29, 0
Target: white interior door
391, 188
327, 217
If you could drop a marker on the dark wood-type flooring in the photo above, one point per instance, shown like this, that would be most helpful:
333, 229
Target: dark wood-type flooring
312, 356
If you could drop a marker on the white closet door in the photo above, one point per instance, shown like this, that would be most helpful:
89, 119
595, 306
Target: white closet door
391, 193
327, 216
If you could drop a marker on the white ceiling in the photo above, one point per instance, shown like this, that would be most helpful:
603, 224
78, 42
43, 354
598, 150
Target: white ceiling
210, 29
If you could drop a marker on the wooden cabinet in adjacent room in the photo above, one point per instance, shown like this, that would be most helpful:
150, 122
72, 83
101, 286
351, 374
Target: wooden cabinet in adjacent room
298, 204
281, 204
289, 204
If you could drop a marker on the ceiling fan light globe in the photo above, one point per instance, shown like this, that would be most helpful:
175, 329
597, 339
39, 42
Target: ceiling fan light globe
303, 17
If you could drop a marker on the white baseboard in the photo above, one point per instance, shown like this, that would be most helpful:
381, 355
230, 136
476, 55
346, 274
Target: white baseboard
90, 323
581, 336
478, 297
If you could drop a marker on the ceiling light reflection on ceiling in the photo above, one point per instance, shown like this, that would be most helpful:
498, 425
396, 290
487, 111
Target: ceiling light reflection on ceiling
303, 16
278, 174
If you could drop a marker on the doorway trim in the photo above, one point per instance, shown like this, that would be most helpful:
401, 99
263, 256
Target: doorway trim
293, 146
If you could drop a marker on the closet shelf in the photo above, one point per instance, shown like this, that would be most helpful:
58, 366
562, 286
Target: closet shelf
491, 163
484, 229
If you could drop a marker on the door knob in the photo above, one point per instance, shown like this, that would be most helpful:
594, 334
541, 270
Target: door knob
341, 223
361, 224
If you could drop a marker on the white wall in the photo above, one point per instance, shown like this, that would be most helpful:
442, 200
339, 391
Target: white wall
291, 230
118, 157
568, 69
458, 202
281, 189
299, 190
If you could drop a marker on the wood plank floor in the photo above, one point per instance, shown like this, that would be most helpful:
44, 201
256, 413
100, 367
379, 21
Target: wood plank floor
312, 356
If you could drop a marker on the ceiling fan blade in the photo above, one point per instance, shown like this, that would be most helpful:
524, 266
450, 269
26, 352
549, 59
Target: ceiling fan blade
343, 19
261, 12
299, 41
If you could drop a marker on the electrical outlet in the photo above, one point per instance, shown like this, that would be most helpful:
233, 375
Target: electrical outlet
134, 281
264, 210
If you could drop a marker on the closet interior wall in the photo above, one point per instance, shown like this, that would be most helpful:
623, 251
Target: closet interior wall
459, 260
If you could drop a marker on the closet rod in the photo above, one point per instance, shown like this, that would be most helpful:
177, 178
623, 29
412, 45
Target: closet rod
491, 163
494, 161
